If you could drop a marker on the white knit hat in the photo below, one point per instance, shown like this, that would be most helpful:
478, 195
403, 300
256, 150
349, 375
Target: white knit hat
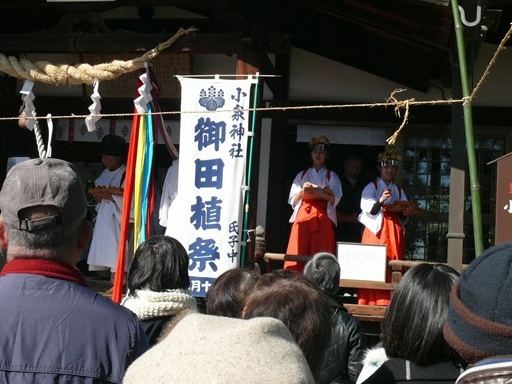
214, 349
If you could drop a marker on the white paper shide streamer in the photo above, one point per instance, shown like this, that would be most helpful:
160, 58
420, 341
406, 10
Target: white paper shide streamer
50, 134
141, 102
94, 108
29, 108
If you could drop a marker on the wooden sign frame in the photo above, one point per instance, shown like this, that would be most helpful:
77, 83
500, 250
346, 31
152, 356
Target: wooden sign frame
362, 261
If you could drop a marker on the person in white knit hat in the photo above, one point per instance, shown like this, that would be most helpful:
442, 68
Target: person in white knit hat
198, 348
158, 284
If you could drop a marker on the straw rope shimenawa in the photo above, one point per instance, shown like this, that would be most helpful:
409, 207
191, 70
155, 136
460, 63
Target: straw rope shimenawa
398, 106
46, 72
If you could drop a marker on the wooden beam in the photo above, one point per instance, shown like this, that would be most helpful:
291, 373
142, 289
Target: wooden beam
367, 284
284, 257
366, 312
196, 4
275, 84
121, 42
223, 43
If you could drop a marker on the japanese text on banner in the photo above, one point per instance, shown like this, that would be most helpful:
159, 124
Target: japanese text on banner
213, 145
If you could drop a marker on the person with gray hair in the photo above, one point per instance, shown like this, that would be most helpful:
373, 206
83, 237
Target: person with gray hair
347, 344
54, 328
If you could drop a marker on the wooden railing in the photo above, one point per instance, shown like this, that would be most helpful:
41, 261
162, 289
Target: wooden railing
370, 316
365, 313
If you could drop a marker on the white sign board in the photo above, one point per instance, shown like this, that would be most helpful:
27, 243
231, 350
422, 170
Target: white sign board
362, 261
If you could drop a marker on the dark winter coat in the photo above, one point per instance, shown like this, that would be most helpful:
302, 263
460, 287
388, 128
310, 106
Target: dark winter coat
345, 349
58, 331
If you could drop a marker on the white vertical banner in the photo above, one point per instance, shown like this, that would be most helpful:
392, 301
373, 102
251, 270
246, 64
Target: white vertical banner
213, 154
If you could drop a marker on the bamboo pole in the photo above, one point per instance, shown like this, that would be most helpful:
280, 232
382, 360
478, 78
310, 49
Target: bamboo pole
245, 231
468, 128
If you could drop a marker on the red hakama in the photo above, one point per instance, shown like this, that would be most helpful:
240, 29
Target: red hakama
392, 234
312, 232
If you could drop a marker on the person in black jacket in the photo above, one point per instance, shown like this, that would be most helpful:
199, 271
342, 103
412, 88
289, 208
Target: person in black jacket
414, 349
353, 182
347, 344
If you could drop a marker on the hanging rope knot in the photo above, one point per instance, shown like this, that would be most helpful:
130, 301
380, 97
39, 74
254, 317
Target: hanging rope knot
466, 99
399, 105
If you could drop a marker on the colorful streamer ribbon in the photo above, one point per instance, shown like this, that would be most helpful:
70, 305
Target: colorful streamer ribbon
139, 180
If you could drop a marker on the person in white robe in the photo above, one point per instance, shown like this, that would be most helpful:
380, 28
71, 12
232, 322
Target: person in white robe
107, 228
169, 192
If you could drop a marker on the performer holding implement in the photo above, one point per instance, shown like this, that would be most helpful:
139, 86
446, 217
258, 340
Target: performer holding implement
107, 229
314, 194
384, 212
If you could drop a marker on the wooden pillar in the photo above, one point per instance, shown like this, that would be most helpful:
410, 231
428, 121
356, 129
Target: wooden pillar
278, 228
277, 225
455, 233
